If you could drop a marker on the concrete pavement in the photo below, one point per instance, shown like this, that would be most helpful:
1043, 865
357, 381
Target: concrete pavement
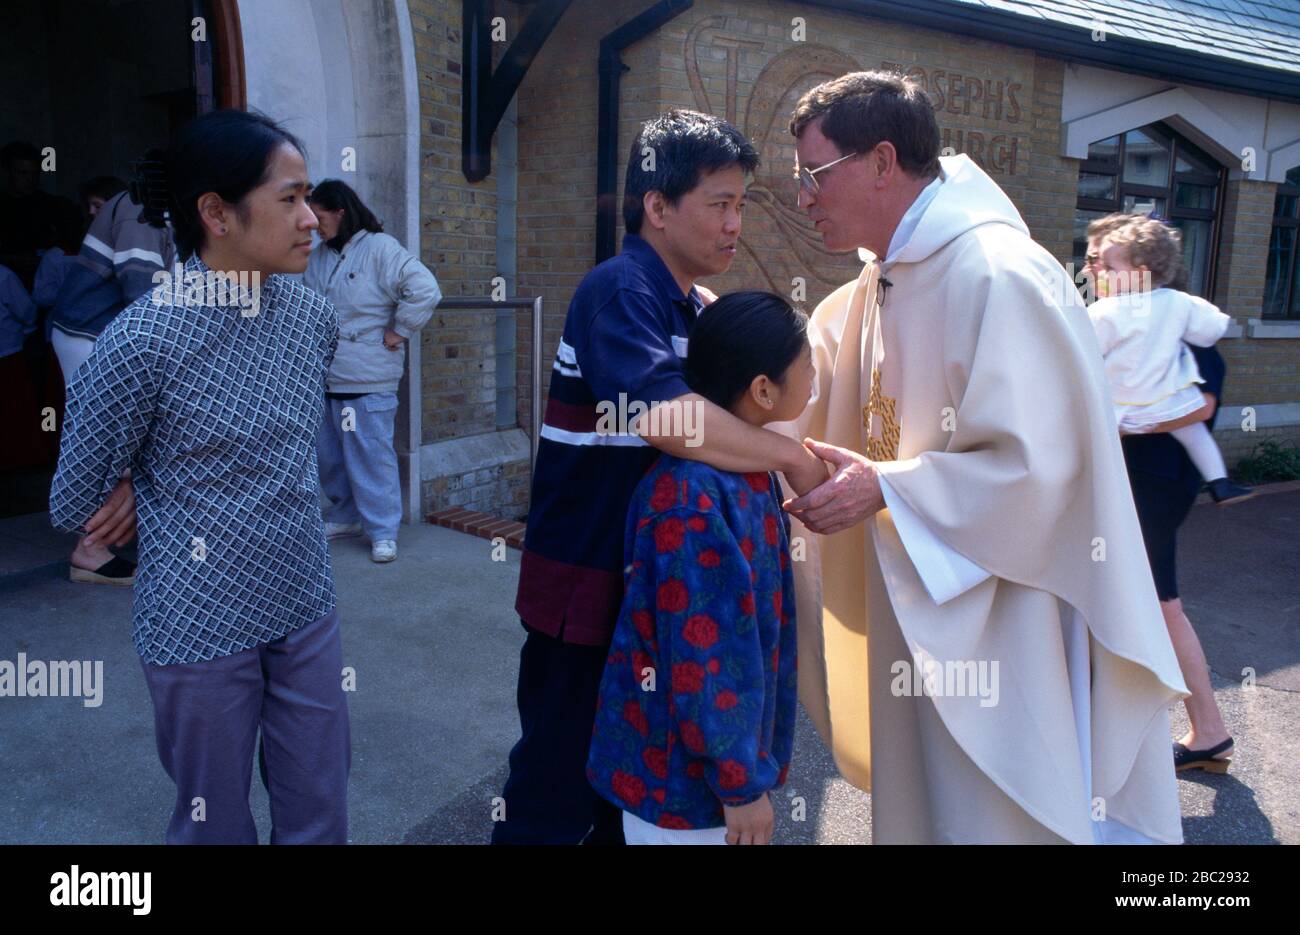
435, 643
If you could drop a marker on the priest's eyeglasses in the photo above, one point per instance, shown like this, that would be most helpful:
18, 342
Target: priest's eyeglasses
808, 177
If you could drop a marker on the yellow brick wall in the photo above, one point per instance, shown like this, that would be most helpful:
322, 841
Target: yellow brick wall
557, 174
1236, 444
1260, 371
1048, 201
1243, 246
457, 237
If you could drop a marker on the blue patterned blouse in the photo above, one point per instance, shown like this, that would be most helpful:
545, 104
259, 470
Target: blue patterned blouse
215, 412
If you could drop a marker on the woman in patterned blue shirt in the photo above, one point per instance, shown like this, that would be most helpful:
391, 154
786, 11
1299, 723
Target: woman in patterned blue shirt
209, 390
695, 724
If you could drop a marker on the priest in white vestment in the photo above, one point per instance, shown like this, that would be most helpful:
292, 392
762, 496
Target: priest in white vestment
980, 641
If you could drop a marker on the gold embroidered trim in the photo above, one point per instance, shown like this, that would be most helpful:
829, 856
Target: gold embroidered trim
884, 448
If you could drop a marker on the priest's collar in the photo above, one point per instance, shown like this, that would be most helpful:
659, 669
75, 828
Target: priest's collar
907, 226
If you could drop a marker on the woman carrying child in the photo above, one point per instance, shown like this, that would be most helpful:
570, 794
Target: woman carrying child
1163, 477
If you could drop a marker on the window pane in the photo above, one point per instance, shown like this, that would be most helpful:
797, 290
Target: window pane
1280, 250
1187, 195
1144, 204
1190, 162
1104, 149
1293, 176
1196, 252
1082, 219
1284, 206
1146, 159
1096, 185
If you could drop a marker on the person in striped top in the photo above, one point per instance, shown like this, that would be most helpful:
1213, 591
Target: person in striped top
120, 258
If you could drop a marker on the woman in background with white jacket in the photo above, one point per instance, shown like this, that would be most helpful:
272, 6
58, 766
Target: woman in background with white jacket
384, 296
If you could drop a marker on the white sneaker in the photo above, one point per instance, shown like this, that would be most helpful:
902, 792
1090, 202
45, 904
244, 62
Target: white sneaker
385, 550
341, 530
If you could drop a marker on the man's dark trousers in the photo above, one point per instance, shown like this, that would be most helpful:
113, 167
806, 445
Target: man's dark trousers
547, 797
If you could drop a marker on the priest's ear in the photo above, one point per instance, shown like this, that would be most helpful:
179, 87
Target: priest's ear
883, 160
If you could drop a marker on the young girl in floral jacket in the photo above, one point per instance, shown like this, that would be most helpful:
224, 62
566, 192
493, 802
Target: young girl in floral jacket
695, 723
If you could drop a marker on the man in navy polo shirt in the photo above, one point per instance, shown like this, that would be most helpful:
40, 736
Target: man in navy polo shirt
624, 341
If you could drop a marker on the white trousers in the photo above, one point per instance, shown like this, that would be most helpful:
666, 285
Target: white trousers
639, 831
71, 350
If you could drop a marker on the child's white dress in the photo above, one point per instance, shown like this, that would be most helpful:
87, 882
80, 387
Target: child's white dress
1153, 377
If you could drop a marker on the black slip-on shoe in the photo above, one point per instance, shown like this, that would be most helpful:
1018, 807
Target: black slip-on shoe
116, 571
1209, 760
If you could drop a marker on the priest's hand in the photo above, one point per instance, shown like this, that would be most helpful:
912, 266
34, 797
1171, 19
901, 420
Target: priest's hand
750, 824
850, 496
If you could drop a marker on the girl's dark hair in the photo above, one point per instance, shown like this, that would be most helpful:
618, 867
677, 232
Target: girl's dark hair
739, 337
331, 195
224, 151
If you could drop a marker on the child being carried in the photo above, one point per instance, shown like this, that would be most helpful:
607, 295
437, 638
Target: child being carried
1141, 326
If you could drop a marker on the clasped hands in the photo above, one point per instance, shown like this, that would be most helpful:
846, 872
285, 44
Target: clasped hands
824, 504
831, 504
114, 523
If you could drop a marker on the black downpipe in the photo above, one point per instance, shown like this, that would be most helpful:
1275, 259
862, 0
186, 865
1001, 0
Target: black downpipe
476, 68
611, 71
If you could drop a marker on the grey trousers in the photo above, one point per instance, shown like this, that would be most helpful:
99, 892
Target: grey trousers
206, 720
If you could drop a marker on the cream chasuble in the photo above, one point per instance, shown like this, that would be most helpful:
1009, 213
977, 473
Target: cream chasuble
987, 655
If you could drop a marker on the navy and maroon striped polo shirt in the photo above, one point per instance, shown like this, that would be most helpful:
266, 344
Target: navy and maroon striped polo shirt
625, 335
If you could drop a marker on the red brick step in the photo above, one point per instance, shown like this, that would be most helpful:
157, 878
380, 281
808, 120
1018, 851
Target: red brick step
483, 525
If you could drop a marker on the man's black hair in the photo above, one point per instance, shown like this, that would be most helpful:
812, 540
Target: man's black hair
684, 145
